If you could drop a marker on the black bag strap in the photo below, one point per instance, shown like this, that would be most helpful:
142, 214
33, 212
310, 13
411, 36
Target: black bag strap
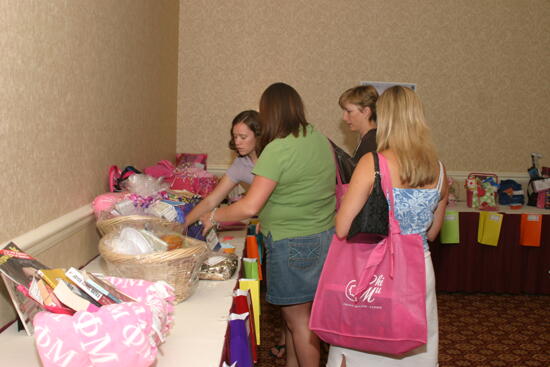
376, 165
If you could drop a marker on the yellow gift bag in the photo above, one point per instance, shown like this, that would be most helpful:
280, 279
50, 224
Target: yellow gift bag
488, 230
253, 285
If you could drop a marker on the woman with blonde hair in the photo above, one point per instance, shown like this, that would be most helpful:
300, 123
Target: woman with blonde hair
420, 197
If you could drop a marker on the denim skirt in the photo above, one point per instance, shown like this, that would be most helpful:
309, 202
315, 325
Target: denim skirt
294, 266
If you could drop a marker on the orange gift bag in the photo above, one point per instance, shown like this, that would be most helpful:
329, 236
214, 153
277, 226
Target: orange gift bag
530, 229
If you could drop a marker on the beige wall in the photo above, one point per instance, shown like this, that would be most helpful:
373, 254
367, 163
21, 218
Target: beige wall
481, 67
83, 85
87, 84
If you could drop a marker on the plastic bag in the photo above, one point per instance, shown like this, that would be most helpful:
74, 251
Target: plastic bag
145, 185
133, 241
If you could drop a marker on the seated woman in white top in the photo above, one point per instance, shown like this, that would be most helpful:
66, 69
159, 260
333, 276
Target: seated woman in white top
245, 129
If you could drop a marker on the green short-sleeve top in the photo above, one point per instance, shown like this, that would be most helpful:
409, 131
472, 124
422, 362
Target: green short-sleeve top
303, 202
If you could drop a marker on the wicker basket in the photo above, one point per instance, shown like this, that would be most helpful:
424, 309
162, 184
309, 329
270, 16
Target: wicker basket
179, 268
109, 225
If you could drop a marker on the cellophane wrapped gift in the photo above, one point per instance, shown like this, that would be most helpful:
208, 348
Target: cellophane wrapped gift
194, 179
122, 334
188, 174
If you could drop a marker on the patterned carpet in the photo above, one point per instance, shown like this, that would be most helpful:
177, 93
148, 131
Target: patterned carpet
475, 330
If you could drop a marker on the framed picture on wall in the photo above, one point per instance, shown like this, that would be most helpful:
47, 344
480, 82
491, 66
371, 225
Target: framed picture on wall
382, 86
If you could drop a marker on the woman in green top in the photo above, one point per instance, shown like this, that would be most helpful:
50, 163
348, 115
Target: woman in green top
293, 193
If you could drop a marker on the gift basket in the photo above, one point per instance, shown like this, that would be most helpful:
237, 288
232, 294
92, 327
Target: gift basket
105, 226
173, 258
147, 201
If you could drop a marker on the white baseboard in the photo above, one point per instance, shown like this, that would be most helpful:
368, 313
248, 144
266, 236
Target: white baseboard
51, 233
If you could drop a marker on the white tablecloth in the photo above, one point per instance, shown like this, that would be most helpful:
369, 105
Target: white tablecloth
196, 339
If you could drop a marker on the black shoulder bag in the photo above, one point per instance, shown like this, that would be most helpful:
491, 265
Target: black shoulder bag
345, 163
373, 217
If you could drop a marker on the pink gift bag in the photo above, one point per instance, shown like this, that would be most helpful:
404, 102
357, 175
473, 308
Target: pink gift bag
371, 296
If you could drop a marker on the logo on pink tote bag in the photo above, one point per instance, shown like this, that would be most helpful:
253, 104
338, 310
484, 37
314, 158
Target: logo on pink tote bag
369, 294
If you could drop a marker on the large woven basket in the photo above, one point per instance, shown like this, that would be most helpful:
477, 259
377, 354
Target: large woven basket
109, 225
179, 268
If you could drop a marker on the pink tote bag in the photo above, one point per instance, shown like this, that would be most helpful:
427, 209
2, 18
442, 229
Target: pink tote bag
371, 296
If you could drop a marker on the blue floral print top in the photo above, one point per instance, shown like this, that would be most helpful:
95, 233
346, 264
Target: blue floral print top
414, 208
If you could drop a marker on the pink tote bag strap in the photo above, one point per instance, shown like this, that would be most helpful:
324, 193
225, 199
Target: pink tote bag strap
385, 245
387, 186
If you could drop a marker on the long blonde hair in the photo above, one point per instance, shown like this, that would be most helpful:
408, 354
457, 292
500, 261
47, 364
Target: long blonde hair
402, 128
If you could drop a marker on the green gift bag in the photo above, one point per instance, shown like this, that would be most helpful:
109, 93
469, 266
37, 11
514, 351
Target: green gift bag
450, 229
250, 268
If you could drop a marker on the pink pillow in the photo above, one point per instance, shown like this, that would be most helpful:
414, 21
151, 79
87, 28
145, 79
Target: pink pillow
124, 334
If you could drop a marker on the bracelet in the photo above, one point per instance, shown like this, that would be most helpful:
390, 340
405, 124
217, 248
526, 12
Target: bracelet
212, 220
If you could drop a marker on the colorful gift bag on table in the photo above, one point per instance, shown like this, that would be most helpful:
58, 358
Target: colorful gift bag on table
481, 191
253, 285
250, 268
239, 340
253, 252
260, 241
242, 303
530, 230
488, 231
251, 229
450, 230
